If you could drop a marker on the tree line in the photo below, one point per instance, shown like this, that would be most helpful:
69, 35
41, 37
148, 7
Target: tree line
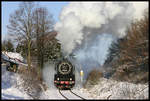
31, 26
129, 55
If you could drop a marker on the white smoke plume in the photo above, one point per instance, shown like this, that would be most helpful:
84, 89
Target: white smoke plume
94, 54
80, 20
139, 8
87, 29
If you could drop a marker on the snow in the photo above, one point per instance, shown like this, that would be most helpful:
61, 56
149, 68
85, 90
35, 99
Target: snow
9, 89
54, 94
13, 93
105, 89
111, 89
13, 55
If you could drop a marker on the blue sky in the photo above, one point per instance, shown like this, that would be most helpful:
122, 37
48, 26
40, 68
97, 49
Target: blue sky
9, 7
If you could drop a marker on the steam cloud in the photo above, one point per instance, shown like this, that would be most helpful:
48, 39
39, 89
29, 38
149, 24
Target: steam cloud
88, 28
80, 21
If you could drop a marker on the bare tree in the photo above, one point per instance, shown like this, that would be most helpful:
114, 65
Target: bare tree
43, 25
7, 46
133, 57
21, 26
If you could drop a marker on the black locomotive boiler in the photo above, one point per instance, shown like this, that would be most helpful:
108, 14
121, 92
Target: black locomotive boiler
64, 77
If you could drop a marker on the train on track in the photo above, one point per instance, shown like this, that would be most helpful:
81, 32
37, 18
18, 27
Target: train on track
64, 77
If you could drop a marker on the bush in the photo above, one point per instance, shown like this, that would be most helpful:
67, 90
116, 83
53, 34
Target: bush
93, 77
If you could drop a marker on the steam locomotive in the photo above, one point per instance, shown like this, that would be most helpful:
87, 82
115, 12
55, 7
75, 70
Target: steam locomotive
64, 77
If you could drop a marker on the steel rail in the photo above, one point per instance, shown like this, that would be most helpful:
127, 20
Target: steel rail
63, 95
71, 93
77, 95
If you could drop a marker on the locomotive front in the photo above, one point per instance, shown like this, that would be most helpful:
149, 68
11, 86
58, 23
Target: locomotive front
65, 76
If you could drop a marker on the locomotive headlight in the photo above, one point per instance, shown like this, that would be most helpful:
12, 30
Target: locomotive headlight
57, 78
70, 79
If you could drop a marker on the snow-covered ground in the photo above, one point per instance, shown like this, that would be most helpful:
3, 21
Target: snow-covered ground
105, 89
9, 80
111, 89
54, 94
8, 84
10, 89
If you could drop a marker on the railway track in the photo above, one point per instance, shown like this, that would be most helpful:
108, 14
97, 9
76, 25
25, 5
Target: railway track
67, 98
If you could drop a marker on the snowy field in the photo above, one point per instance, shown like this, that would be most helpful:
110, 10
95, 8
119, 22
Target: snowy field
111, 89
10, 89
11, 86
8, 84
105, 89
